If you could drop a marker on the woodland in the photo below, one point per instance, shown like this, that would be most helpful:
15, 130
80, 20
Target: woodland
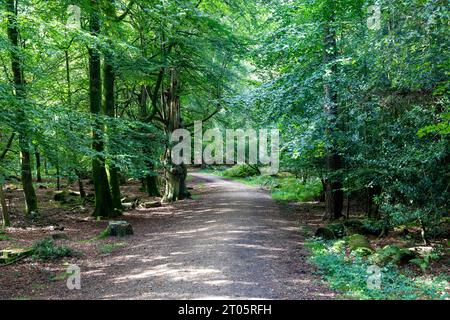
91, 91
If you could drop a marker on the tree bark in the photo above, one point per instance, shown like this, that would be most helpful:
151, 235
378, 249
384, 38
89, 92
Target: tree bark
172, 172
19, 87
81, 188
334, 196
151, 185
184, 193
150, 181
37, 155
3, 206
103, 198
109, 104
5, 213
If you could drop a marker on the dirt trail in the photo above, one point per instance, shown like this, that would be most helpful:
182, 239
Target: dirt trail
232, 242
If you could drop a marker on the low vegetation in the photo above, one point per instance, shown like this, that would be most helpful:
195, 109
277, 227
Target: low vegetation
350, 272
46, 249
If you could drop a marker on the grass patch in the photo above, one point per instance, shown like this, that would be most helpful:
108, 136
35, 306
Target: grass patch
291, 189
4, 236
45, 250
110, 247
349, 273
102, 235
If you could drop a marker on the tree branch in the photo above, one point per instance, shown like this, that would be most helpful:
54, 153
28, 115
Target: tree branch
219, 108
8, 146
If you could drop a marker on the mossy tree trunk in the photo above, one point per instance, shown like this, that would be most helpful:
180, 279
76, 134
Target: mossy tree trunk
19, 88
171, 107
103, 198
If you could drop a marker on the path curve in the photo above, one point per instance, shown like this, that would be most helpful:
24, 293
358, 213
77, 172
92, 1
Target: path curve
231, 242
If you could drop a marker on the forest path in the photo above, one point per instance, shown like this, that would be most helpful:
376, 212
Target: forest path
231, 242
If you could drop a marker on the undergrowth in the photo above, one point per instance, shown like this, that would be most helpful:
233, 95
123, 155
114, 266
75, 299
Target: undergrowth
349, 274
46, 249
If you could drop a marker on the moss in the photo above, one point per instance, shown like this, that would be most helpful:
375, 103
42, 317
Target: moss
393, 254
358, 241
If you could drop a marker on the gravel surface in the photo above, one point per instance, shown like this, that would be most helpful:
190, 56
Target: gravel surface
231, 242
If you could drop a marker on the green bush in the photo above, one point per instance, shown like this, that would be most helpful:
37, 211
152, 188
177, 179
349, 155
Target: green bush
241, 171
45, 250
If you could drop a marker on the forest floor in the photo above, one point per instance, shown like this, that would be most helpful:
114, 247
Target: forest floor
229, 241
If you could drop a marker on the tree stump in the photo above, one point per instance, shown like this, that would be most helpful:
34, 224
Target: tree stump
119, 229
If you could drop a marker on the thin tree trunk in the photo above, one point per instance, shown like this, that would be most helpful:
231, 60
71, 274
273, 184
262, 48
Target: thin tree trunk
4, 207
109, 103
150, 181
19, 86
37, 155
45, 166
81, 188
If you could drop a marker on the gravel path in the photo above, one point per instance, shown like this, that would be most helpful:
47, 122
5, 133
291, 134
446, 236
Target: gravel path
231, 242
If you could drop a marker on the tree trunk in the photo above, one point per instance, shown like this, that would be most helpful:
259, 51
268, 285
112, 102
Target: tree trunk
334, 196
5, 213
103, 198
38, 165
109, 103
151, 186
58, 176
113, 175
373, 208
19, 87
45, 166
150, 181
172, 189
184, 193
81, 188
172, 172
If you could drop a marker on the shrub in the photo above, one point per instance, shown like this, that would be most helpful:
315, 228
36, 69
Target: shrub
45, 250
241, 171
